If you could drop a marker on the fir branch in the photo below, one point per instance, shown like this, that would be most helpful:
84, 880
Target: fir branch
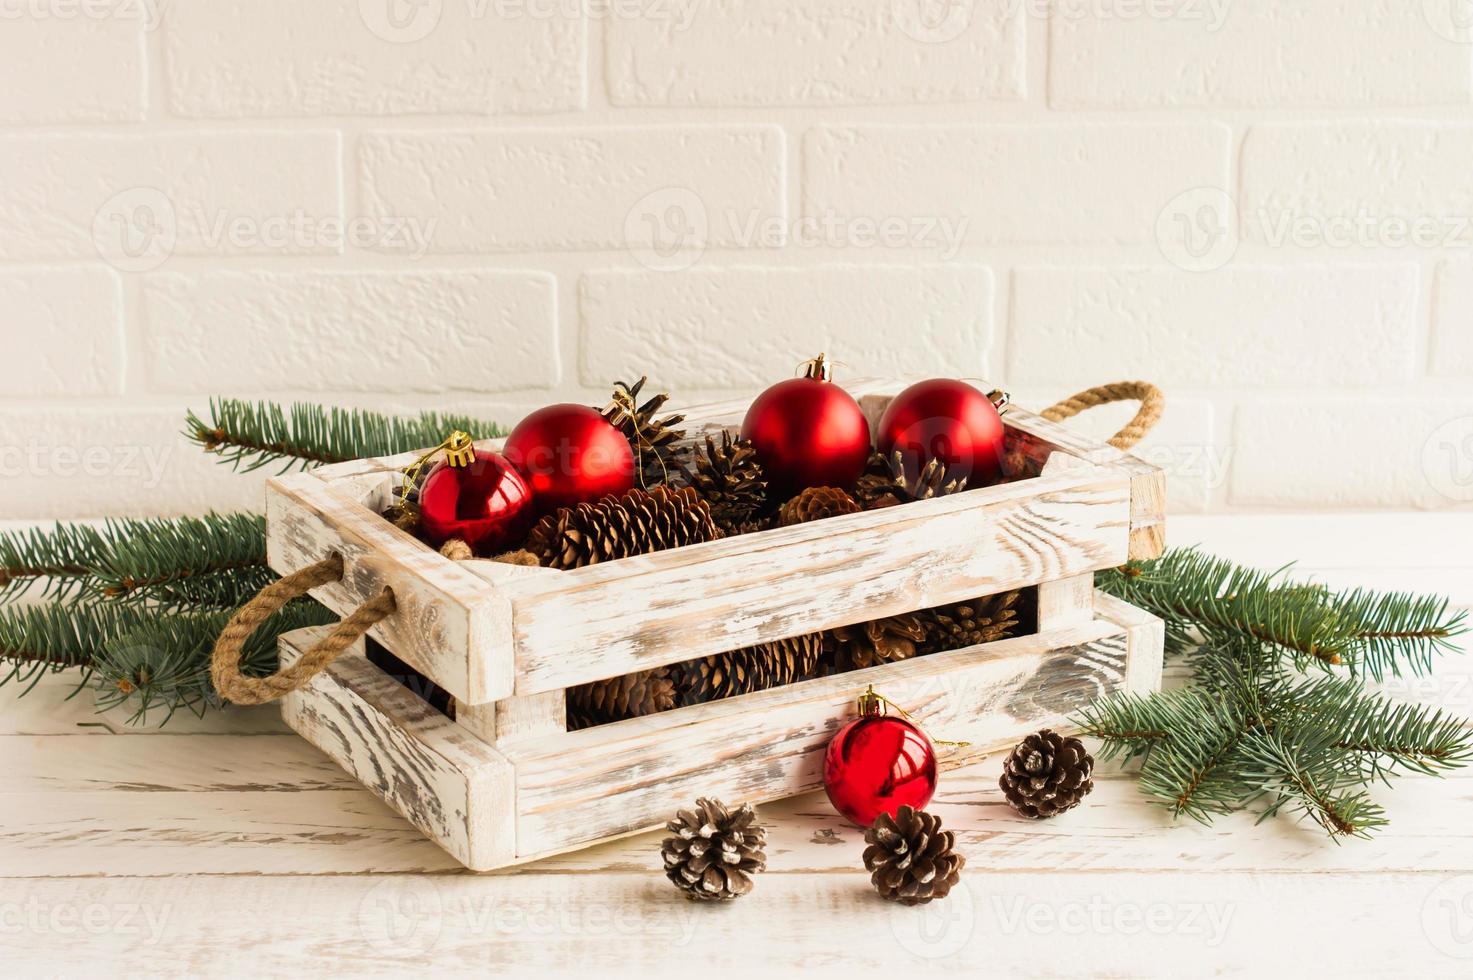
217, 560
164, 663
1196, 772
59, 559
249, 436
1308, 775
1378, 736
49, 638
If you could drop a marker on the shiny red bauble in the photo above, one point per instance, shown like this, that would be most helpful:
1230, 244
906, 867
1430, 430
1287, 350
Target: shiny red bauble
946, 420
875, 764
570, 454
485, 503
808, 432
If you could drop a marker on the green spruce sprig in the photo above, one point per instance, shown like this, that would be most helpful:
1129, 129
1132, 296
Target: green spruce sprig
252, 435
1252, 725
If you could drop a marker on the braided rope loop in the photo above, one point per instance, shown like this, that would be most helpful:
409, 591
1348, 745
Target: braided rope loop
1153, 404
225, 672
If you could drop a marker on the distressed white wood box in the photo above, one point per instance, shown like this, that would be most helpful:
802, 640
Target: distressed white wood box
505, 781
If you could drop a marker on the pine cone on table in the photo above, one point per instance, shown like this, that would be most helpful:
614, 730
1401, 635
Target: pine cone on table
1047, 774
644, 692
715, 851
879, 641
639, 522
656, 441
911, 858
884, 483
754, 668
965, 624
816, 504
731, 480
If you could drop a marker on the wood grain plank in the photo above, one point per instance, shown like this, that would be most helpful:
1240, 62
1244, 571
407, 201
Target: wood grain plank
620, 778
56, 707
455, 788
638, 613
1054, 923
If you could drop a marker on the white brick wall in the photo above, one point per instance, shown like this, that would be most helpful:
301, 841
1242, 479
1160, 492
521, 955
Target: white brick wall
486, 205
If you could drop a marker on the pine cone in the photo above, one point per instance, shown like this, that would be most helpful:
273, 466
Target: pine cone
965, 624
880, 641
912, 859
754, 668
714, 852
644, 692
1047, 774
729, 478
884, 483
815, 504
656, 442
637, 523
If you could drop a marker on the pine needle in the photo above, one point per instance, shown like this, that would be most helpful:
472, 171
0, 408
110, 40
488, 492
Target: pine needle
249, 436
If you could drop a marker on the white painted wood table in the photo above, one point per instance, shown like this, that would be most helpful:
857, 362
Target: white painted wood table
230, 846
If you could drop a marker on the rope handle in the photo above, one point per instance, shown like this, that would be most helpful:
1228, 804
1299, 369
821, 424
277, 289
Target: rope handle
225, 672
1152, 399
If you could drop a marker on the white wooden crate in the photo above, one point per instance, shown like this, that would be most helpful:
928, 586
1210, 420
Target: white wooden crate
506, 782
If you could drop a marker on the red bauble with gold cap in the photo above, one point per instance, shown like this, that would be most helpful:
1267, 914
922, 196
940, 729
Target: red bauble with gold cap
950, 421
808, 432
476, 496
877, 763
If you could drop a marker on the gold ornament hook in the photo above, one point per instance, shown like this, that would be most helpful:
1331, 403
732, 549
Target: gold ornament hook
460, 451
818, 368
873, 704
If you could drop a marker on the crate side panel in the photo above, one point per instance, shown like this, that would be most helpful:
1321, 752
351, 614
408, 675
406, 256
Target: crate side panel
674, 606
455, 789
603, 782
449, 624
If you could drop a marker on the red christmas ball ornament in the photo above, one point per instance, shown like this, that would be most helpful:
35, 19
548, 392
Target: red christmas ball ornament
570, 454
878, 762
476, 496
808, 432
949, 421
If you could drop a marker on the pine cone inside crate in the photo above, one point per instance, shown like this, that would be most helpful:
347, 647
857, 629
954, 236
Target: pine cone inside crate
965, 624
816, 504
880, 641
911, 858
715, 850
884, 483
639, 522
754, 668
656, 441
729, 478
644, 692
1047, 774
